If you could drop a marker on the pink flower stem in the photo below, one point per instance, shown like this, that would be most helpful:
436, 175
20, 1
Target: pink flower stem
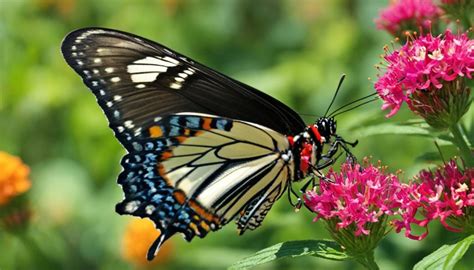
469, 228
462, 144
359, 248
368, 261
466, 222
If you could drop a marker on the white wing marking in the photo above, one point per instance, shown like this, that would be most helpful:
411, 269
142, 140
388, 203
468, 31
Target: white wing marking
233, 177
156, 61
191, 182
148, 68
144, 77
145, 68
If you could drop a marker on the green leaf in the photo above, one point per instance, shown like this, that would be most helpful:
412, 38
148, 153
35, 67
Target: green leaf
319, 248
446, 256
458, 252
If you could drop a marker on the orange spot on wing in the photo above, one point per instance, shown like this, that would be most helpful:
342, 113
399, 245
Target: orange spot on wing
166, 155
207, 123
205, 226
195, 228
201, 211
187, 132
155, 132
179, 196
180, 139
162, 173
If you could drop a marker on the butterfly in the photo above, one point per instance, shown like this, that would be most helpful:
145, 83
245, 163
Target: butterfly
202, 149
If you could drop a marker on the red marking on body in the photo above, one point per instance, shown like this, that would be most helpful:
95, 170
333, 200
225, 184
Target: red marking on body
291, 140
316, 133
305, 157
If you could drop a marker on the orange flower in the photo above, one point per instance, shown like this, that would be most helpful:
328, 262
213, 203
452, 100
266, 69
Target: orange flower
13, 177
138, 237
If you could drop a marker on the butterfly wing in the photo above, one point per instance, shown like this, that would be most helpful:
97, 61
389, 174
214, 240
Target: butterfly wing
193, 173
135, 79
202, 147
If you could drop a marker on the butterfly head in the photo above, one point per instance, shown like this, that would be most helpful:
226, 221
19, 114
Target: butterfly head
326, 127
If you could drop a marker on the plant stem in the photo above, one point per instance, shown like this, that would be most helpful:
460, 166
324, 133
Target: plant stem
462, 144
367, 260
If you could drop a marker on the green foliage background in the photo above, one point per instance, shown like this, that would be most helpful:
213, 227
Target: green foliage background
293, 50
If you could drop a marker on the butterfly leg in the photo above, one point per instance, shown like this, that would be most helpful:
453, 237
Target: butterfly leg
291, 191
350, 158
328, 161
303, 189
339, 141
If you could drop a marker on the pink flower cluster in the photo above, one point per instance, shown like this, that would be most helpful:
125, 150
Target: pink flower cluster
405, 15
357, 196
424, 63
443, 194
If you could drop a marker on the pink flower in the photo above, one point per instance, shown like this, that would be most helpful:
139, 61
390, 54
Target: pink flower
423, 66
445, 194
357, 198
403, 15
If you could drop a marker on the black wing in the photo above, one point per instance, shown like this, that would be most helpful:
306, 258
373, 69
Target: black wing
136, 80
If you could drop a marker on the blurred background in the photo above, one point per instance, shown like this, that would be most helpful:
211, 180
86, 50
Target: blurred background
295, 51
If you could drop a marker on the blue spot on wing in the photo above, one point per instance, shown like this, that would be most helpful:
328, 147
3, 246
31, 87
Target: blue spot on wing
193, 122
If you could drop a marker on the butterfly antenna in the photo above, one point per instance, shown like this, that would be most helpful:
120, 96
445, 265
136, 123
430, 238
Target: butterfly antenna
352, 102
352, 108
335, 94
